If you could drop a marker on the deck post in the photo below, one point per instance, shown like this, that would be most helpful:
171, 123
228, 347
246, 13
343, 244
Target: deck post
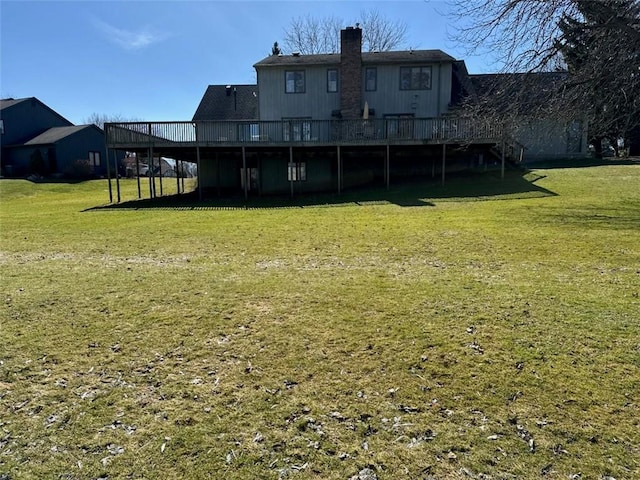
160, 172
109, 176
290, 169
199, 173
245, 177
152, 178
178, 177
339, 171
138, 174
502, 160
217, 172
115, 164
444, 157
387, 166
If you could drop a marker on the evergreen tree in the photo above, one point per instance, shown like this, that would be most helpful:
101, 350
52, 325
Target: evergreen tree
602, 53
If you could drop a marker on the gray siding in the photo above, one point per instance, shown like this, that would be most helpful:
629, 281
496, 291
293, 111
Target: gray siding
388, 99
547, 139
316, 103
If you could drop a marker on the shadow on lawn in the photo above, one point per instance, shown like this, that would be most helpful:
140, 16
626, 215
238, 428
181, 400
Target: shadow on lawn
469, 186
583, 163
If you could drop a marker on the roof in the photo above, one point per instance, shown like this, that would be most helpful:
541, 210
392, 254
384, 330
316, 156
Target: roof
525, 91
6, 103
405, 56
10, 102
56, 134
461, 85
237, 102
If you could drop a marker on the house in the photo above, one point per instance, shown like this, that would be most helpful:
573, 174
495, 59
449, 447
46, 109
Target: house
525, 101
36, 139
332, 121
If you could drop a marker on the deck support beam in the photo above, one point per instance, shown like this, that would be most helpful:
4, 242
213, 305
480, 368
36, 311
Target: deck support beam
178, 177
387, 166
115, 164
444, 158
502, 160
339, 171
137, 154
217, 173
199, 173
290, 168
244, 173
109, 177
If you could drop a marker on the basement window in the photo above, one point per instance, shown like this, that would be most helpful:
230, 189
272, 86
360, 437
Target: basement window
415, 78
94, 159
297, 172
294, 81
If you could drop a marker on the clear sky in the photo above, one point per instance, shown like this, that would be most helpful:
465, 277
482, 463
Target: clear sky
152, 60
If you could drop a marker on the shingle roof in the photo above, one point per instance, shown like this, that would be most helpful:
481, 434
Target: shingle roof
10, 102
522, 92
240, 102
55, 134
368, 58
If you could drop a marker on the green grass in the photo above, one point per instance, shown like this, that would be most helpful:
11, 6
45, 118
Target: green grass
420, 332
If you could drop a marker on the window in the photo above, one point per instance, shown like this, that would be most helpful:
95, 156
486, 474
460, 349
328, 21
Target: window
1, 126
297, 172
415, 78
94, 159
296, 130
370, 79
294, 81
332, 80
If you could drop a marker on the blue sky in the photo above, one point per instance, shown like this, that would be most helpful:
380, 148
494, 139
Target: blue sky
153, 60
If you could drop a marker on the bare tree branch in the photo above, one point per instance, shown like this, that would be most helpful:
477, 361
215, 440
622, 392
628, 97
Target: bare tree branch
310, 35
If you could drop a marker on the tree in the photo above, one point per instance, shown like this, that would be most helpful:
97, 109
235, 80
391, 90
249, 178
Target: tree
311, 35
604, 75
100, 119
275, 50
595, 42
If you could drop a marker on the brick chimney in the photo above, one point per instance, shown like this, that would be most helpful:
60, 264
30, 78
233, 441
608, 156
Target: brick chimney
351, 72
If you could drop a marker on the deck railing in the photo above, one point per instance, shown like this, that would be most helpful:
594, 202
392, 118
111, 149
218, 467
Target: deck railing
300, 132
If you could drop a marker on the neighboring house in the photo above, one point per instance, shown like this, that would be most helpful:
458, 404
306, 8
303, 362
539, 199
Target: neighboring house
36, 139
330, 121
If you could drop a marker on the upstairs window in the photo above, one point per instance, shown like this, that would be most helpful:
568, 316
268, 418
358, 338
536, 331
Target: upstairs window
1, 126
370, 79
332, 80
415, 78
294, 81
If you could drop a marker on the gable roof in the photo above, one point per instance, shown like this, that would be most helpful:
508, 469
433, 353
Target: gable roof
56, 134
228, 102
368, 58
10, 102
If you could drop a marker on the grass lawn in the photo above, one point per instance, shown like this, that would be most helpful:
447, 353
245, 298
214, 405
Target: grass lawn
482, 328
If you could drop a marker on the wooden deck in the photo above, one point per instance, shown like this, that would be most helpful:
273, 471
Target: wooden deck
300, 132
